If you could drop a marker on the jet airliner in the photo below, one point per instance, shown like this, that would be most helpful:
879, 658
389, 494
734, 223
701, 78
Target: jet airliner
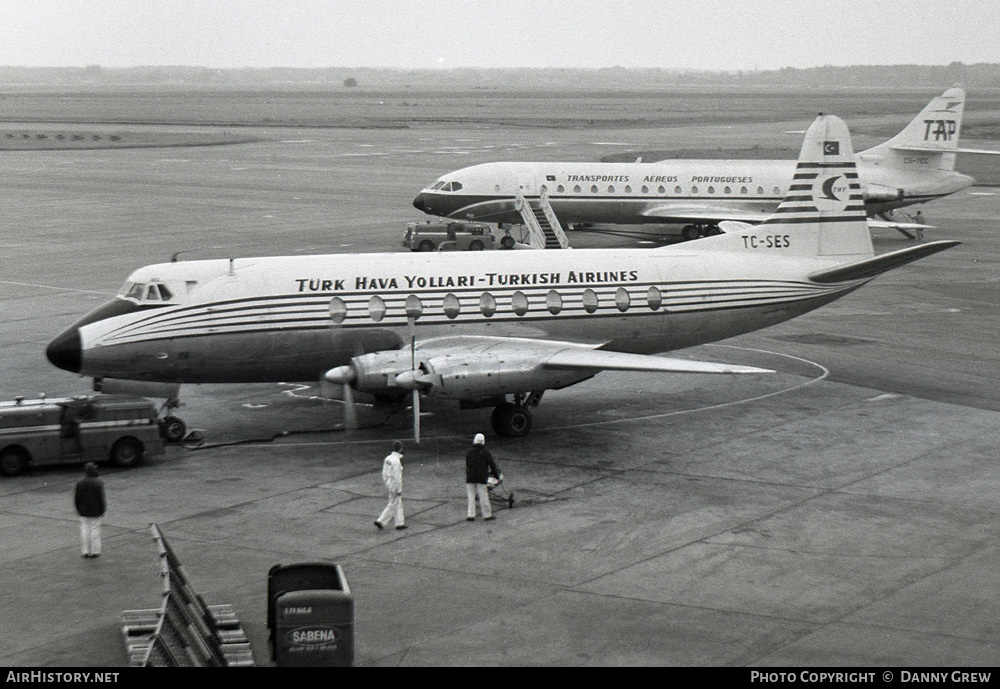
915, 166
490, 329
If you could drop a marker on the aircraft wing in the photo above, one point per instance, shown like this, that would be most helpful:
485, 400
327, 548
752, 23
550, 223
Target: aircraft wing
889, 225
696, 213
567, 355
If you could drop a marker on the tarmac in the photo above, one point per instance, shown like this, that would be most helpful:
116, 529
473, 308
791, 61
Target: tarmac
840, 512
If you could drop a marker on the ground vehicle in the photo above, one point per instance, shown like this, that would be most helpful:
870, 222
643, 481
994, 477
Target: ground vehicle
102, 428
448, 236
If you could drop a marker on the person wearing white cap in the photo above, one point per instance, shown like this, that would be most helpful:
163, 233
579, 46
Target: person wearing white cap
479, 464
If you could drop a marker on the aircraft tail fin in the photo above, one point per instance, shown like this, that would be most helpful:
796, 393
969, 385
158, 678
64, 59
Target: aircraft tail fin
932, 134
822, 216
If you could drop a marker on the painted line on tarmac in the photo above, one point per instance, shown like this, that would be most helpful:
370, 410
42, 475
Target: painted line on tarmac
824, 373
60, 289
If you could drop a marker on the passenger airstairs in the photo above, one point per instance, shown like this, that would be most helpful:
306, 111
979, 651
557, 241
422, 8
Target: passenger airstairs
543, 225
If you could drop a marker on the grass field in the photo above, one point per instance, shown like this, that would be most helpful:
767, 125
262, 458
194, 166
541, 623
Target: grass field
63, 118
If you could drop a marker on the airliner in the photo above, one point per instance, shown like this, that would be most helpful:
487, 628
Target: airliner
915, 166
490, 329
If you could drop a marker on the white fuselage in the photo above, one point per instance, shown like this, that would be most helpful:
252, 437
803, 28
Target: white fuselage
679, 191
293, 318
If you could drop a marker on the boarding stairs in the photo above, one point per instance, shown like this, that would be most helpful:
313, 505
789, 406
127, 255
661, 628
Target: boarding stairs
543, 226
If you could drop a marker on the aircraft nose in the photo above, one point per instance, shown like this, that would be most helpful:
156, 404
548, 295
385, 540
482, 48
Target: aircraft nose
66, 351
420, 202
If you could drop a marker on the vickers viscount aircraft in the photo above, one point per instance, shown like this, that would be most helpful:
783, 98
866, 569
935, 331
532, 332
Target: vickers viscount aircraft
490, 328
915, 166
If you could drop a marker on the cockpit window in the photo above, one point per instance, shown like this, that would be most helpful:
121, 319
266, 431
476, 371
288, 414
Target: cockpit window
437, 186
140, 291
451, 186
135, 291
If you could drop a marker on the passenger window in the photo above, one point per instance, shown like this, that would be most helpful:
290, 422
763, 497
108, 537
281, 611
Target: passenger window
589, 300
743, 190
760, 190
519, 303
553, 301
451, 305
711, 190
653, 298
414, 307
487, 304
645, 189
376, 308
577, 189
611, 189
628, 189
593, 189
544, 188
727, 190
777, 191
560, 189
694, 190
677, 189
338, 310
622, 300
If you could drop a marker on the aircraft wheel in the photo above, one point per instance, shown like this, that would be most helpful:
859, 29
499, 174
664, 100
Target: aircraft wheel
13, 460
507, 242
426, 245
496, 418
476, 246
127, 452
172, 429
689, 232
517, 421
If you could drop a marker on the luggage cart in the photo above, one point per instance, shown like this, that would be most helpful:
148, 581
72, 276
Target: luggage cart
496, 488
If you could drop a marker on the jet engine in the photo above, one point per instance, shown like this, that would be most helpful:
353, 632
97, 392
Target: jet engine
877, 192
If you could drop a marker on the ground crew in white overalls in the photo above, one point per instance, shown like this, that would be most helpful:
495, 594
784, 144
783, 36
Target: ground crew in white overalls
392, 475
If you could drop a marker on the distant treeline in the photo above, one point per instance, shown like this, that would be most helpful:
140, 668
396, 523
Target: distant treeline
982, 75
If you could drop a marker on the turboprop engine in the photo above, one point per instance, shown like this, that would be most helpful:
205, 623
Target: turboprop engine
470, 375
475, 373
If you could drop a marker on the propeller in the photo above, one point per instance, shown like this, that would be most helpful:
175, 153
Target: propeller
411, 326
345, 376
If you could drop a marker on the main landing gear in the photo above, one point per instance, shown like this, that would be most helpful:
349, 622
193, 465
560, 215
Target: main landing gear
172, 428
696, 231
514, 419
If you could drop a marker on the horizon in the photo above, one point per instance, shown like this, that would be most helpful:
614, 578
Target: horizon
713, 35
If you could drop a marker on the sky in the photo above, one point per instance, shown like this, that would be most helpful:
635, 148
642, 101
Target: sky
405, 34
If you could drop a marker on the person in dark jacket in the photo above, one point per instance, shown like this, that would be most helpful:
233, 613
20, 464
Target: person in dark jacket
90, 505
479, 465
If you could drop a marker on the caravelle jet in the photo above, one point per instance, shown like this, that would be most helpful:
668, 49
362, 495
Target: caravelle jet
482, 328
915, 166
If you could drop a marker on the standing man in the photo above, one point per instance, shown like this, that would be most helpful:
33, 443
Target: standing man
90, 505
479, 465
392, 475
919, 218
